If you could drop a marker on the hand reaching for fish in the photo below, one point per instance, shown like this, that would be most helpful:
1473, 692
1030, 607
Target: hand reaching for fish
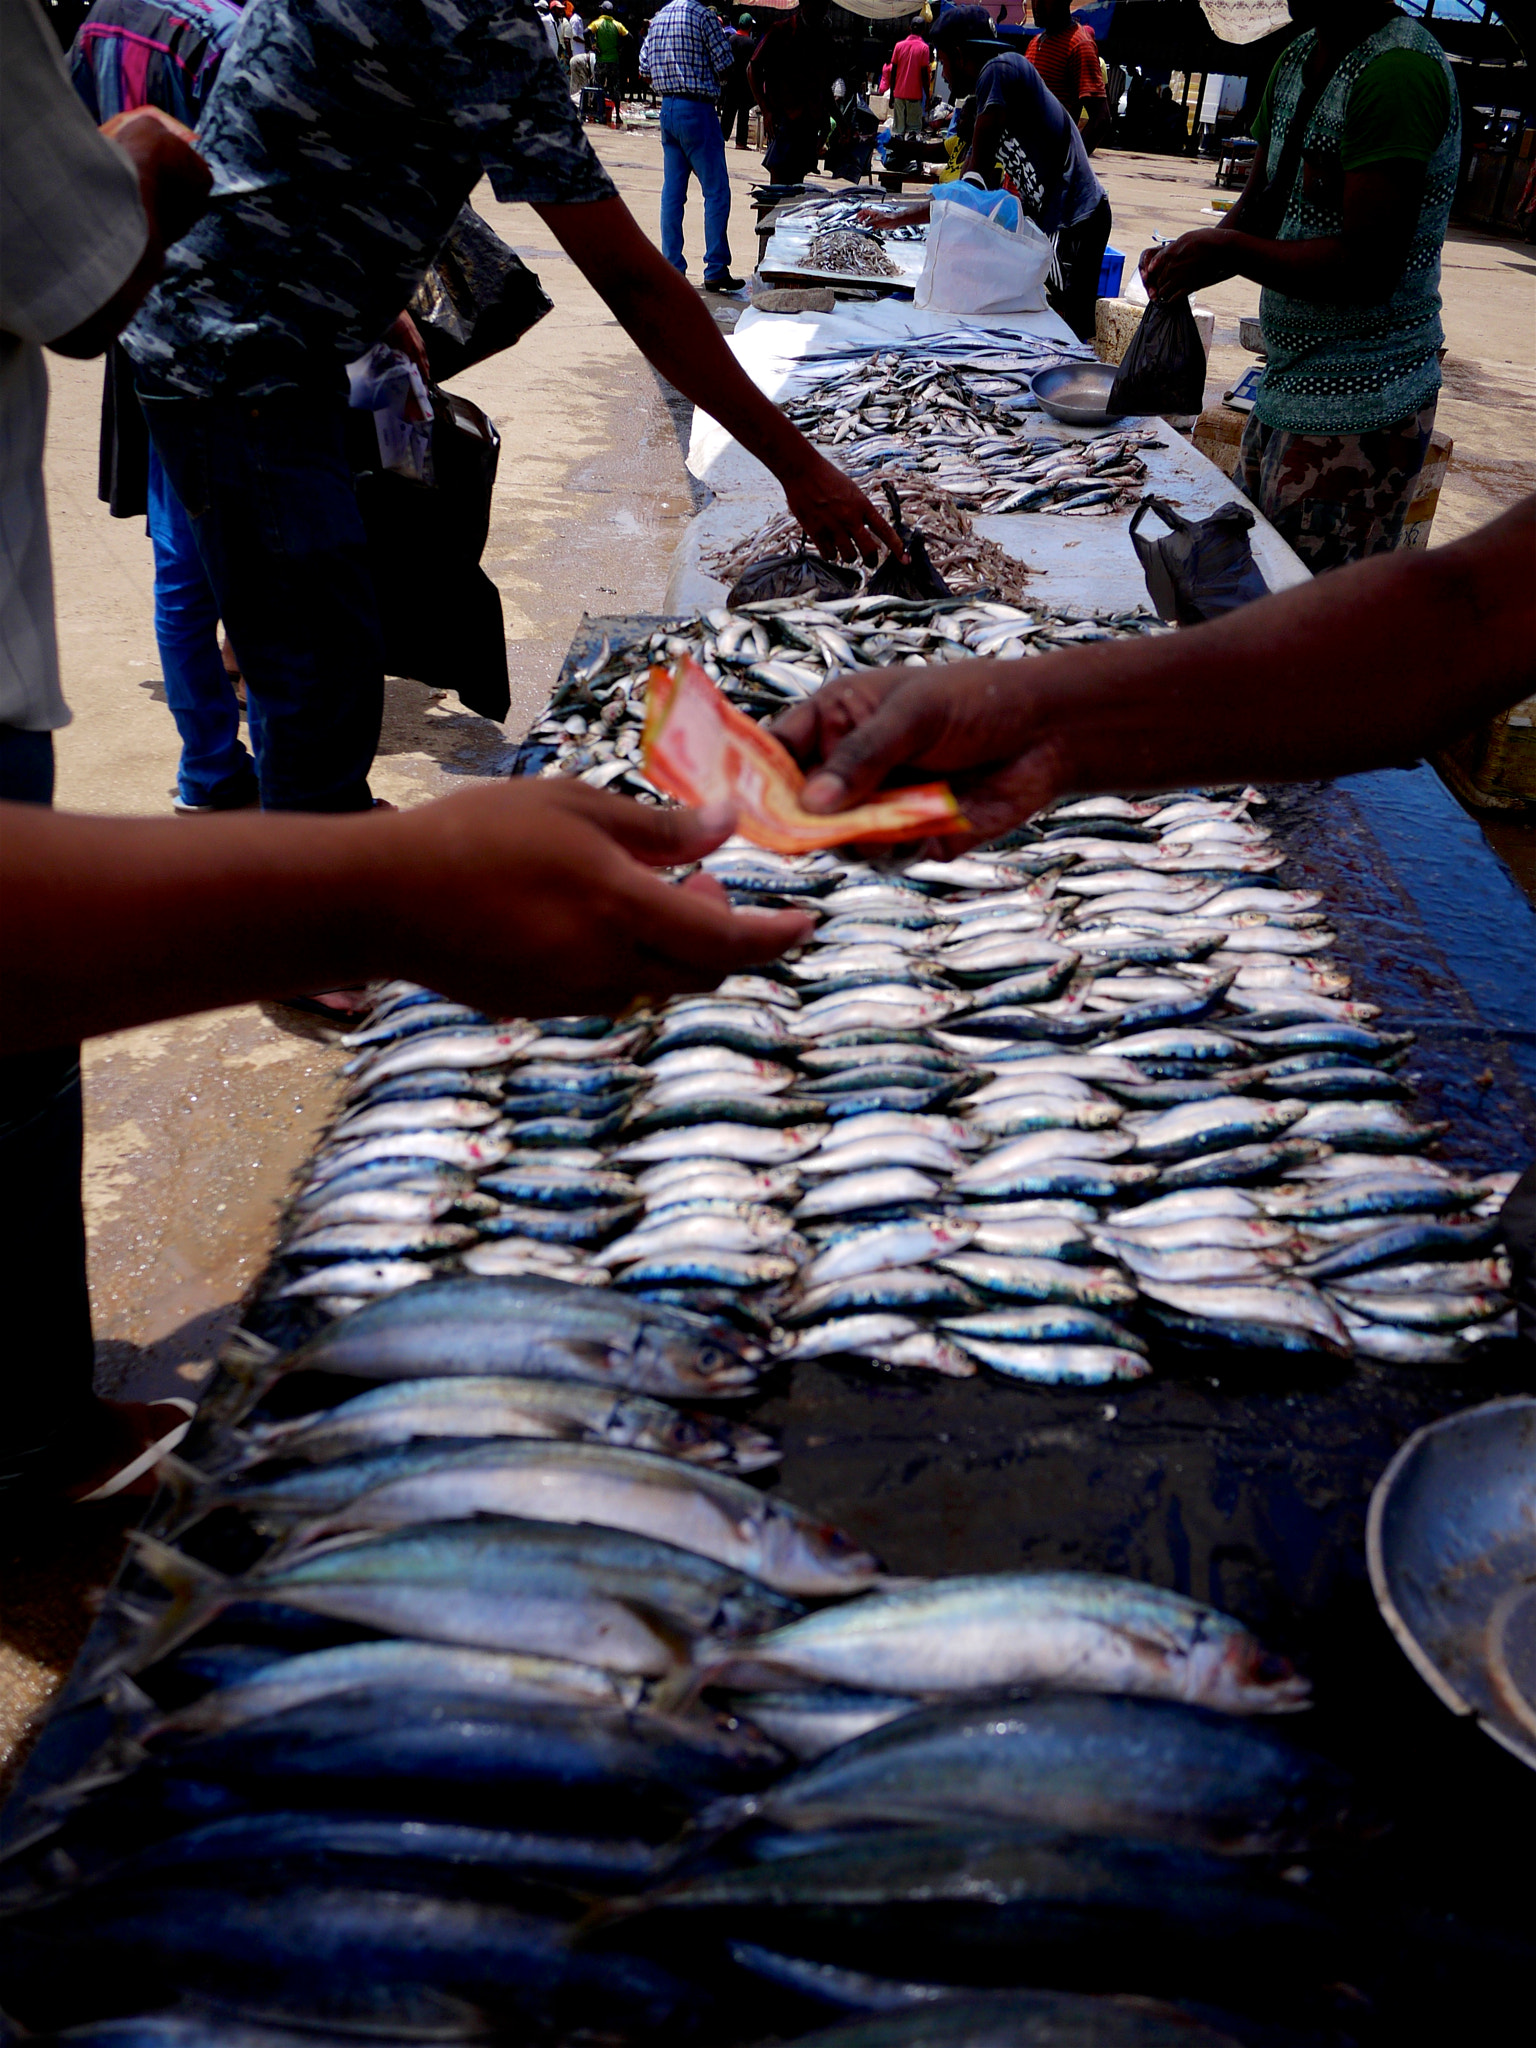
838, 519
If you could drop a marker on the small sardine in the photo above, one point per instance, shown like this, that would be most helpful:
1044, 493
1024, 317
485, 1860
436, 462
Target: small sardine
746, 1143
883, 1188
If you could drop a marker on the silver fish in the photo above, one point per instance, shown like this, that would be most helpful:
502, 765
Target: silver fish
702, 1511
379, 1240
1071, 1631
488, 1405
1277, 1310
496, 1047
1084, 1365
446, 1113
398, 1204
397, 1666
748, 1143
719, 1230
357, 1277
1026, 1279
885, 1245
838, 1157
886, 1187
468, 1150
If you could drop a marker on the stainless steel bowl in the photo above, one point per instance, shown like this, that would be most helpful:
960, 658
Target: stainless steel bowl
1451, 1544
1076, 392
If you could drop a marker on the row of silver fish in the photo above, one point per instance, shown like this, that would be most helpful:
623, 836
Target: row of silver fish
1014, 1110
1178, 1108
769, 654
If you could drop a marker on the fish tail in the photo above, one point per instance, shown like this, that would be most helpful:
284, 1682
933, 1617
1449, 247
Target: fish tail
197, 1593
722, 1817
679, 1693
192, 1495
223, 1450
247, 1366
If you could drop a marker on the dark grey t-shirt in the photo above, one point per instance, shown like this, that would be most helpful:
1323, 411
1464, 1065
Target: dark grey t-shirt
1041, 157
343, 140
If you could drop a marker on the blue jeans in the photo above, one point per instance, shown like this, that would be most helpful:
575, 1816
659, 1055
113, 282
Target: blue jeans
269, 498
197, 688
49, 1348
691, 143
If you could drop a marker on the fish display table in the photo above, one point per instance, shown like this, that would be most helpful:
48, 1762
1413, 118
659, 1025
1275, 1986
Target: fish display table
1071, 560
1232, 1477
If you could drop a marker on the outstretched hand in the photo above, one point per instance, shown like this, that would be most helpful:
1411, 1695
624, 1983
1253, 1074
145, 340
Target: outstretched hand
539, 899
975, 724
838, 519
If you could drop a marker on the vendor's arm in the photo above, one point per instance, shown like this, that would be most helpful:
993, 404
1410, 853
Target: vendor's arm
986, 140
669, 324
1394, 124
1360, 266
524, 899
1371, 665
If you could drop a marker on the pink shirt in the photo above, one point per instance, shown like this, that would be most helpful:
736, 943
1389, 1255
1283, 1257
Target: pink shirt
909, 66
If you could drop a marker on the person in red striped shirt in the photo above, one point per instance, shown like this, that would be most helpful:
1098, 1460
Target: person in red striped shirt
1067, 58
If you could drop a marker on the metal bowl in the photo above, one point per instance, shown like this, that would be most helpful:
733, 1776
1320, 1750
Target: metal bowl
1076, 392
1451, 1544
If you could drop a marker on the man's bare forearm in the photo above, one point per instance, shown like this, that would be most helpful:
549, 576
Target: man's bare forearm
1377, 664
106, 922
668, 323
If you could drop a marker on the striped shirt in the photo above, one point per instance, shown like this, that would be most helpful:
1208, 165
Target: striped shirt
1069, 64
687, 51
142, 53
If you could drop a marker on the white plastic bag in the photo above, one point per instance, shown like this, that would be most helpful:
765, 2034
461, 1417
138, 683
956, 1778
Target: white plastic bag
974, 265
384, 382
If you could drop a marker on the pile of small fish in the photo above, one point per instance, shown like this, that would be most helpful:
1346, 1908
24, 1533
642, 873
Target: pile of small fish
1021, 1108
466, 1686
960, 426
767, 655
848, 212
852, 252
403, 1685
966, 561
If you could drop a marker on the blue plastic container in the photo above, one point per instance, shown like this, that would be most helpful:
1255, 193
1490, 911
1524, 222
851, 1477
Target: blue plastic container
1111, 273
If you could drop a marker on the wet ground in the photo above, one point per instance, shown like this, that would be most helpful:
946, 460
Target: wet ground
195, 1127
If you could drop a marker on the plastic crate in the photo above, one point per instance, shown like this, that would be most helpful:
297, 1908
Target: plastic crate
594, 103
1111, 273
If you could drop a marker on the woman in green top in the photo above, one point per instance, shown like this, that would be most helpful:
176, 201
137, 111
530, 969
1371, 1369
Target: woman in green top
1341, 222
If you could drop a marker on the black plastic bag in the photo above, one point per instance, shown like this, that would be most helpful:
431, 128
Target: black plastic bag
440, 612
1202, 567
1517, 1221
478, 298
916, 576
1164, 367
797, 575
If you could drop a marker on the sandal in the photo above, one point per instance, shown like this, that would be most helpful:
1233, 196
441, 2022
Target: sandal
134, 1475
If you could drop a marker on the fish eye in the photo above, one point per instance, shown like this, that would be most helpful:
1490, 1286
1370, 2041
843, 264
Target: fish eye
1271, 1667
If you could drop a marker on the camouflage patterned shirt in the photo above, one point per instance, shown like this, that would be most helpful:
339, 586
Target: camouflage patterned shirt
344, 136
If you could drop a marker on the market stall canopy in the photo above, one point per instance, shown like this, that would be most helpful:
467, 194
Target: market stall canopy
882, 10
1246, 21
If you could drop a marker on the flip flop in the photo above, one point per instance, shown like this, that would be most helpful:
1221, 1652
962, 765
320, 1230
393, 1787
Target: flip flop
149, 1457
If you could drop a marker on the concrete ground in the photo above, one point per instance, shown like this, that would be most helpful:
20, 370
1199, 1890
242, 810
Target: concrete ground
195, 1127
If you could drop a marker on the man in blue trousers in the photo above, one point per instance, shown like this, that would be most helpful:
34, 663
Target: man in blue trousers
687, 55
